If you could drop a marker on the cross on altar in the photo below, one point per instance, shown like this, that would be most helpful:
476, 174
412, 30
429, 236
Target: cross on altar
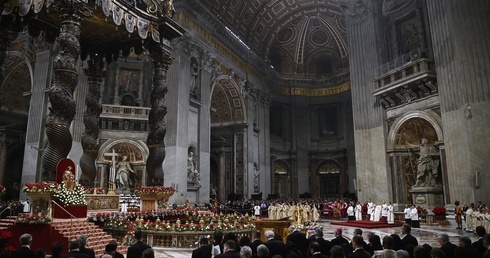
112, 173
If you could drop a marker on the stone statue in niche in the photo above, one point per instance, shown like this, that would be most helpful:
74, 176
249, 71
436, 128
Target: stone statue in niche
123, 174
193, 177
256, 177
194, 85
427, 164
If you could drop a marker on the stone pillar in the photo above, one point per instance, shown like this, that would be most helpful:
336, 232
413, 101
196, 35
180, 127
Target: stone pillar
3, 155
95, 74
65, 80
460, 43
221, 176
161, 59
363, 25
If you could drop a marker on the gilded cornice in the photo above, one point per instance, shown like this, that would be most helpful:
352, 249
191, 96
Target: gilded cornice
319, 92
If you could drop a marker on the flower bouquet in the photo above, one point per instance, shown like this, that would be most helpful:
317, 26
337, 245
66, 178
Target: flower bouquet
439, 213
70, 198
32, 219
166, 190
5, 248
94, 190
40, 187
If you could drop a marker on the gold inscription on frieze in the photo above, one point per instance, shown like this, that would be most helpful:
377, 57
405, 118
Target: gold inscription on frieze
312, 92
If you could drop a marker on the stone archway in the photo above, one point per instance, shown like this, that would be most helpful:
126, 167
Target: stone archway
113, 151
282, 178
228, 127
406, 132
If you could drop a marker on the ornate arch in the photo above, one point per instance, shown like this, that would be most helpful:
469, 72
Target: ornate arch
125, 147
430, 116
227, 102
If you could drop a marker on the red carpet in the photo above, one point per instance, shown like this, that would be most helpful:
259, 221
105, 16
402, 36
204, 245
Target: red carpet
366, 224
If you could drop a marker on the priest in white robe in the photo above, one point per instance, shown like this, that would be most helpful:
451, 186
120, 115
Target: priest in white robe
415, 217
377, 213
358, 211
391, 214
370, 210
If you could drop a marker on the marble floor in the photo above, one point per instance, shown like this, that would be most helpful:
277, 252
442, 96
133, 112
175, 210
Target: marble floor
425, 234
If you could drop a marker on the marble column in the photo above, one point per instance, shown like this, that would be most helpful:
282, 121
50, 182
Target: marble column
161, 60
3, 155
461, 41
221, 176
363, 20
95, 73
64, 82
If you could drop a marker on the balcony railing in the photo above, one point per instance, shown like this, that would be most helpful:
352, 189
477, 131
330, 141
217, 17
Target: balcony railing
125, 112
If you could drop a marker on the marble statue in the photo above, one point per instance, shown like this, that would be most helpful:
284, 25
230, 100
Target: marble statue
427, 167
124, 169
193, 176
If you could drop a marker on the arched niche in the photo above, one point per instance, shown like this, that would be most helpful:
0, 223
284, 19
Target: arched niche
328, 178
113, 151
282, 177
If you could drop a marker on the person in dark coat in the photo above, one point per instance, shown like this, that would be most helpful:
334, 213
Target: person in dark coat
229, 250
74, 250
315, 251
255, 243
465, 249
136, 250
56, 249
478, 245
408, 240
357, 245
204, 251
298, 238
25, 250
275, 246
341, 241
83, 242
447, 247
325, 245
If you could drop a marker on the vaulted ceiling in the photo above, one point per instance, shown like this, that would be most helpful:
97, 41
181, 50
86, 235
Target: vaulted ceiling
300, 39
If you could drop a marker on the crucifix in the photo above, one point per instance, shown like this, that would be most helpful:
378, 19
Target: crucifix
112, 171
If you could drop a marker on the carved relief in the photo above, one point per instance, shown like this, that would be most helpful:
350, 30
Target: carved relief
356, 11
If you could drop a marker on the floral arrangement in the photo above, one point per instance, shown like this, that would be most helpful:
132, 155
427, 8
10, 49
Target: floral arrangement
70, 198
5, 248
439, 210
32, 219
40, 187
94, 190
147, 215
154, 190
2, 189
193, 221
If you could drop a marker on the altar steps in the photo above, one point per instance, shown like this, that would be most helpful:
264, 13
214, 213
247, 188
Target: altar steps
8, 221
97, 239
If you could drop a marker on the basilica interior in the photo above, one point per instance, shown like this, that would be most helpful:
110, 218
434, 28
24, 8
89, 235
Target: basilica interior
366, 99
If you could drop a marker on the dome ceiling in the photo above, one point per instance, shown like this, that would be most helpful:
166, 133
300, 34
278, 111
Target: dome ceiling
300, 39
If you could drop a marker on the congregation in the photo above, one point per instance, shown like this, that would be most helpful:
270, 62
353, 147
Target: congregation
299, 245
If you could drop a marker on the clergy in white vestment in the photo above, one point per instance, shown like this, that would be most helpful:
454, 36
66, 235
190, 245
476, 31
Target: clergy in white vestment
377, 213
358, 211
469, 219
384, 212
370, 210
408, 216
415, 217
350, 212
391, 214
124, 206
257, 210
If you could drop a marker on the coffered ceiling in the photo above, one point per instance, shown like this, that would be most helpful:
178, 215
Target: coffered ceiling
300, 38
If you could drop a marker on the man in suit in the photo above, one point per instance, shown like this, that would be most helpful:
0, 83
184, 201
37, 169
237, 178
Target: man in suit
486, 244
325, 245
478, 245
447, 247
25, 250
74, 250
275, 246
359, 252
408, 241
204, 251
341, 241
365, 246
298, 238
83, 242
315, 251
229, 250
255, 243
136, 250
